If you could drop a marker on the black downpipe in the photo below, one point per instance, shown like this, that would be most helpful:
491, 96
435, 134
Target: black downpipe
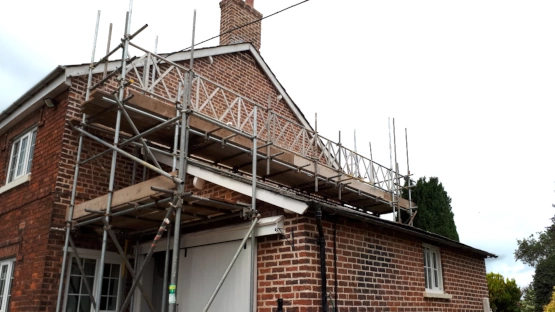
335, 262
322, 242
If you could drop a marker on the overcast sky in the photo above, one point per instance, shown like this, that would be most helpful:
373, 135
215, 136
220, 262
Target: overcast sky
473, 81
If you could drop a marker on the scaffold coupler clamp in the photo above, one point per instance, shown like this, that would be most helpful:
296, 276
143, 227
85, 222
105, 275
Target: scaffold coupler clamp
248, 214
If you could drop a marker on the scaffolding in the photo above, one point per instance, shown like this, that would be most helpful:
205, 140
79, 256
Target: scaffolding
166, 118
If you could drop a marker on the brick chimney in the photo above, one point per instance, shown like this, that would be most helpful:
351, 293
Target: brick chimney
236, 13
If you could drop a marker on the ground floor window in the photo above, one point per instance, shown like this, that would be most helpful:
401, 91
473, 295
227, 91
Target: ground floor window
432, 269
78, 298
6, 279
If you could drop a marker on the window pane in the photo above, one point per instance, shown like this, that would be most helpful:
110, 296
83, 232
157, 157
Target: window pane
426, 278
89, 266
84, 304
112, 303
103, 303
3, 274
113, 288
10, 288
110, 287
74, 282
105, 285
115, 272
72, 303
436, 280
434, 257
13, 164
78, 299
430, 278
74, 267
22, 154
31, 151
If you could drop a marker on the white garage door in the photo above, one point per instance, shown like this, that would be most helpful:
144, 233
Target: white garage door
200, 270
202, 265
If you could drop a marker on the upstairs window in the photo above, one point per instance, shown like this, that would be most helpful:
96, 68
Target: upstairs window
21, 156
432, 269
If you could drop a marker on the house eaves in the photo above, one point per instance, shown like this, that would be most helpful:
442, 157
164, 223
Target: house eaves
51, 85
333, 208
426, 236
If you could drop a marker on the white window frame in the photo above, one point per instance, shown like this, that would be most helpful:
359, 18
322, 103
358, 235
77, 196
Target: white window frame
6, 292
111, 258
21, 166
432, 269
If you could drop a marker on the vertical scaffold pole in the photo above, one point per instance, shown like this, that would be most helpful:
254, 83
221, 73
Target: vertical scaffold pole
75, 176
390, 169
253, 202
408, 175
107, 51
372, 175
113, 164
315, 152
180, 88
184, 141
268, 138
396, 183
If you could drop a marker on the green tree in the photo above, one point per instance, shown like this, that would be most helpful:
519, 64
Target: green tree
539, 251
544, 281
434, 208
504, 294
551, 306
528, 302
533, 249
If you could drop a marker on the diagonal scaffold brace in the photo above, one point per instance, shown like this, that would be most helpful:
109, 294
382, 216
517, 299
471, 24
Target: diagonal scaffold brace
127, 264
243, 242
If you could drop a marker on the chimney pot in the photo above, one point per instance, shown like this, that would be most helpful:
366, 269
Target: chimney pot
250, 2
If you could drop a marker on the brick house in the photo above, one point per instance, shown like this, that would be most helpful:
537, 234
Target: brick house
316, 238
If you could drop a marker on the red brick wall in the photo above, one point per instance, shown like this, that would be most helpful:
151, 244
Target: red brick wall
30, 210
26, 212
236, 13
377, 270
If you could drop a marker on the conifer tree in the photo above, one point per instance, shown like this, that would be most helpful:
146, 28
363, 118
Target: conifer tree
434, 208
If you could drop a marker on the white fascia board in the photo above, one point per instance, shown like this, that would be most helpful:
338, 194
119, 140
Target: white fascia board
264, 227
246, 189
52, 88
81, 70
206, 52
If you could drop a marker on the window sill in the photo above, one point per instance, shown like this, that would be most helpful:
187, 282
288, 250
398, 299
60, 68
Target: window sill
15, 183
428, 294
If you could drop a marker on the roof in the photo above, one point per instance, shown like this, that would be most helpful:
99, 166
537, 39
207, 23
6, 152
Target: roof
51, 85
58, 80
404, 228
355, 214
